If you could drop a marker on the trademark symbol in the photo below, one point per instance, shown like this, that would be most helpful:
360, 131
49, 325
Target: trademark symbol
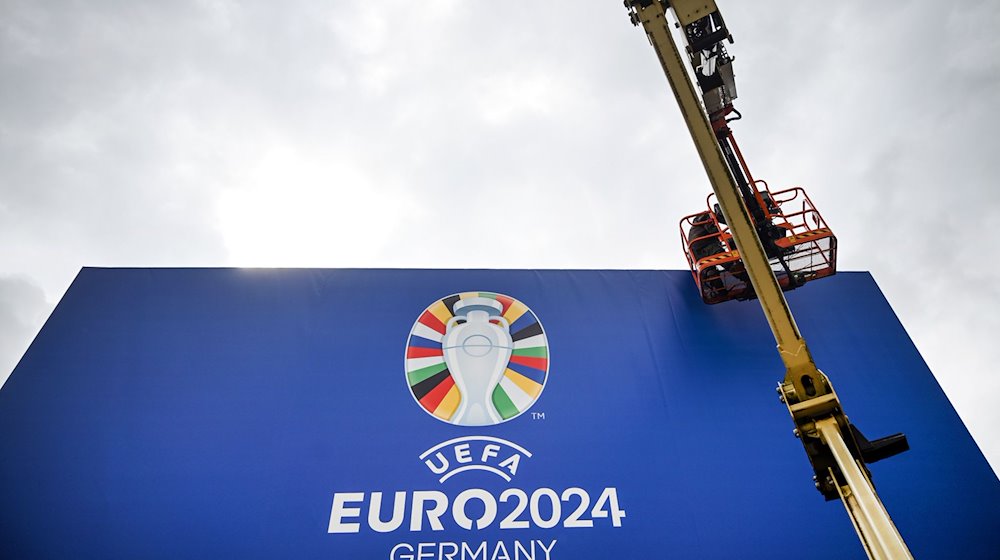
538, 416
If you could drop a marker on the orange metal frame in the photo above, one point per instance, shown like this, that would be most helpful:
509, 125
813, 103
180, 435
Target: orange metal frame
810, 246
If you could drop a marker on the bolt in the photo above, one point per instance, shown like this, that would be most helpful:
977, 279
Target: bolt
781, 398
796, 432
818, 485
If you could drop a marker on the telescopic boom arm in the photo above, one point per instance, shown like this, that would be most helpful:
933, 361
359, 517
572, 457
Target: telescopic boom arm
836, 449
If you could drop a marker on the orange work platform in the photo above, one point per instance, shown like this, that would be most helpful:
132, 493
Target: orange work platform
798, 241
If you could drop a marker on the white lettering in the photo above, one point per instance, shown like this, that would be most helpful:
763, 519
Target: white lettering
491, 450
496, 552
407, 555
475, 453
339, 511
458, 509
421, 553
462, 453
474, 555
438, 469
375, 509
511, 463
433, 515
448, 555
547, 549
574, 518
519, 548
511, 521
536, 512
501, 550
428, 510
609, 498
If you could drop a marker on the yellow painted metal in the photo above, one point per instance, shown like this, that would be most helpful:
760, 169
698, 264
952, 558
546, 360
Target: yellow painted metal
810, 397
874, 526
688, 11
792, 347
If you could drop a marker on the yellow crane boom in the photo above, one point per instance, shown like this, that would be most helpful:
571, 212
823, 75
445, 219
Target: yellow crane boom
836, 449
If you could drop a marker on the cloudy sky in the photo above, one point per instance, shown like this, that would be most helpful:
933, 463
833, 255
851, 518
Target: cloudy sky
336, 134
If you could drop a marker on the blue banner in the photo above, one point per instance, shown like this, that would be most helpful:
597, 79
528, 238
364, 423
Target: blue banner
458, 415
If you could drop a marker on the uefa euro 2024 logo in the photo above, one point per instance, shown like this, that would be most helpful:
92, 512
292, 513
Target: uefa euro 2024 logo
477, 359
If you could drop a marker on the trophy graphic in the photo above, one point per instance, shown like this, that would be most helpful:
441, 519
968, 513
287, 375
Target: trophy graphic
477, 347
476, 359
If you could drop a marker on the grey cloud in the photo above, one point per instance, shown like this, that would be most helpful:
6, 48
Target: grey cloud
91, 167
22, 309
